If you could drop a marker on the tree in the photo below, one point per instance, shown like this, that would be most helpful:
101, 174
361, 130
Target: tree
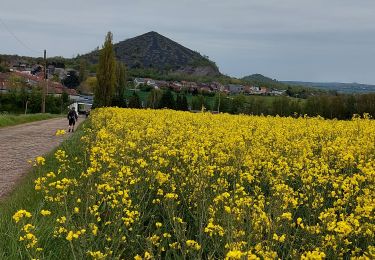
181, 103
184, 103
135, 101
222, 103
167, 100
199, 103
120, 85
88, 86
104, 90
178, 102
238, 104
82, 70
71, 80
153, 98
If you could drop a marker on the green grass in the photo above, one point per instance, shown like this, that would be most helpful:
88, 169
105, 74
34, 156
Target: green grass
25, 197
12, 119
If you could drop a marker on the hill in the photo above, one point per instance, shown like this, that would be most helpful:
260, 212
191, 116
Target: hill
260, 80
154, 51
347, 88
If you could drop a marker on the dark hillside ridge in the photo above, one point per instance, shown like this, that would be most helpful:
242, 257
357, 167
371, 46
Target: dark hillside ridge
152, 50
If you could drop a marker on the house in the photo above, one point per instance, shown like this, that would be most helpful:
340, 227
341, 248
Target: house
151, 83
216, 86
175, 86
205, 89
139, 81
235, 89
4, 82
60, 72
277, 92
263, 90
161, 83
51, 69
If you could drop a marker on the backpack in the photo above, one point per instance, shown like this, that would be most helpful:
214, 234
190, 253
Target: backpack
71, 115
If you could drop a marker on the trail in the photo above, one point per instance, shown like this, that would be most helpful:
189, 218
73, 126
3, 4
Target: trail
20, 143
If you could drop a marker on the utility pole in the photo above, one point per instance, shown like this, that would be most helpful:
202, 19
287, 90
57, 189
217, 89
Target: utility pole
45, 83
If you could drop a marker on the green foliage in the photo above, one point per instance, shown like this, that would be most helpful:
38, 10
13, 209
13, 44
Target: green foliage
145, 87
135, 101
15, 119
82, 70
16, 100
120, 85
200, 102
106, 74
153, 98
167, 100
3, 68
88, 86
222, 103
71, 80
202, 62
238, 104
182, 103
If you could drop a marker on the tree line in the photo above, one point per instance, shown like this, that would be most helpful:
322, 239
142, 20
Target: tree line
338, 106
22, 100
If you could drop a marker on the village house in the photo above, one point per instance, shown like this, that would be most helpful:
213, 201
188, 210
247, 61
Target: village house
139, 81
263, 91
235, 89
145, 81
53, 88
277, 92
175, 86
161, 83
4, 82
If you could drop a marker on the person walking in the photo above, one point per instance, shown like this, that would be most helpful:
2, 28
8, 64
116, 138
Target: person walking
72, 117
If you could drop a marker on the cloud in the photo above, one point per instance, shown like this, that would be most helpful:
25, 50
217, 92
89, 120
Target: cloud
285, 39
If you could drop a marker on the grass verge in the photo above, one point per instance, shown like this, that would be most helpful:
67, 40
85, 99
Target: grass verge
9, 120
25, 197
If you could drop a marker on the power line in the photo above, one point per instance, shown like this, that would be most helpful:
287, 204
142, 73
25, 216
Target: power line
15, 37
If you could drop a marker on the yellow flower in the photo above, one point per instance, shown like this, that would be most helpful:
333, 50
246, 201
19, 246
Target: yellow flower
193, 244
40, 160
158, 224
60, 132
234, 254
21, 214
147, 255
69, 237
45, 212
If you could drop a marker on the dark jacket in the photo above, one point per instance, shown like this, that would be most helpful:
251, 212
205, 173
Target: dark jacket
72, 115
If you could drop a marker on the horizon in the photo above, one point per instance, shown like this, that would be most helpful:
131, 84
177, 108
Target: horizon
289, 41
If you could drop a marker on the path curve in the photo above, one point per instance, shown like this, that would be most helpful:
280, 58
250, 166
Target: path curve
20, 143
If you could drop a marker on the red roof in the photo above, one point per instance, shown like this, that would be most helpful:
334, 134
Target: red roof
53, 87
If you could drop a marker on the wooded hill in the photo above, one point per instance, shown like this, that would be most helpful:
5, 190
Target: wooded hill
154, 51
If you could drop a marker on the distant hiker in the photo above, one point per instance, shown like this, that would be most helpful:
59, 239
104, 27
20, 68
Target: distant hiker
72, 117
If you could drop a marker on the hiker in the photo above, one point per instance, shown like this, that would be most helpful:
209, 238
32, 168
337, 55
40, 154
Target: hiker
72, 117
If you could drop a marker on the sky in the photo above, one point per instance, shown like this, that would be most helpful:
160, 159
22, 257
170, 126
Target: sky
306, 40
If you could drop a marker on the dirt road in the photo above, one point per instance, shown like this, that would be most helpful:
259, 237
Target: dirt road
20, 143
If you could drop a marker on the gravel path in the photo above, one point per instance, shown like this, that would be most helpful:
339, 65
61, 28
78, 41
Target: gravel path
20, 143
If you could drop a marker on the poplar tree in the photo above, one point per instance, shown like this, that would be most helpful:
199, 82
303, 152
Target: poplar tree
105, 74
120, 85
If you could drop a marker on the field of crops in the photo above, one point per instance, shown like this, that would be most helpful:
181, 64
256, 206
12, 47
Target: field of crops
178, 185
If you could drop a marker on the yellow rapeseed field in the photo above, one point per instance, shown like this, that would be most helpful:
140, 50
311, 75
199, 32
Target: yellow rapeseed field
178, 185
